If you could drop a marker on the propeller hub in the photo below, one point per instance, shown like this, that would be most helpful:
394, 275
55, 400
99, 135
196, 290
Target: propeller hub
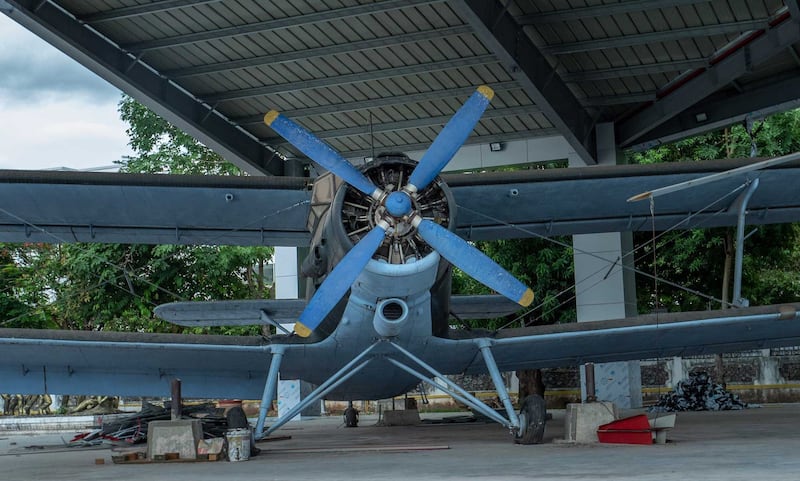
398, 204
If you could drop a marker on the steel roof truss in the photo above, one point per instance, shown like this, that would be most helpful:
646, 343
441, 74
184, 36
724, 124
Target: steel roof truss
653, 37
139, 10
602, 10
295, 21
526, 63
376, 103
734, 65
379, 42
350, 78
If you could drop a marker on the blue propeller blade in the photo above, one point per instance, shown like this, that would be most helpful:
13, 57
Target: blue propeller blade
474, 262
451, 137
318, 151
339, 281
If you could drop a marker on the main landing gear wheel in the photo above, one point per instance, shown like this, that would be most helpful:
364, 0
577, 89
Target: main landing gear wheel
351, 417
532, 418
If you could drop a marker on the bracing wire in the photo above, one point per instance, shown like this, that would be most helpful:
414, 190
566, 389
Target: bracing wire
670, 230
124, 271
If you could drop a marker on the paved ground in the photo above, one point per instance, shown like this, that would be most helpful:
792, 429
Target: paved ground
756, 444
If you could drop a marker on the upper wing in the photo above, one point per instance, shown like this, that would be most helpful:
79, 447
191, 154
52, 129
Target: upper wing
645, 337
61, 207
593, 199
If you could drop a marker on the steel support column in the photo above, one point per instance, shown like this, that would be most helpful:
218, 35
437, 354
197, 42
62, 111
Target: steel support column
737, 270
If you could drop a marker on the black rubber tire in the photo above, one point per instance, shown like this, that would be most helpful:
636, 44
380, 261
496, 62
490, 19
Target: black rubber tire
351, 417
236, 418
533, 412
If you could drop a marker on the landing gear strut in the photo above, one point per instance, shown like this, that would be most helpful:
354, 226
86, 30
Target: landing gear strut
527, 427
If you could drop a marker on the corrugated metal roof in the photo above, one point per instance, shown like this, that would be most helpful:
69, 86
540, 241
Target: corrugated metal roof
399, 69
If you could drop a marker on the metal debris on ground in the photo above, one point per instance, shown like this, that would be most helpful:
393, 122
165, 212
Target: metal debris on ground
698, 393
132, 429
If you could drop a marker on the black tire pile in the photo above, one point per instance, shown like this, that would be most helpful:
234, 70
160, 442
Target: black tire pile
698, 393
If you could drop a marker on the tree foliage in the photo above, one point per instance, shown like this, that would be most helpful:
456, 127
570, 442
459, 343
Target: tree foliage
690, 264
544, 265
117, 286
695, 259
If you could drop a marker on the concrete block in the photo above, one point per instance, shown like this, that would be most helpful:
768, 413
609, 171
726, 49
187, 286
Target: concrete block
181, 436
582, 420
401, 417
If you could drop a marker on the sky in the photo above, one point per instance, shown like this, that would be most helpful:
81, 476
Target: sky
53, 111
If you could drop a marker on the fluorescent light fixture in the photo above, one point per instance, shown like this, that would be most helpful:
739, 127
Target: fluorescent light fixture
495, 146
701, 117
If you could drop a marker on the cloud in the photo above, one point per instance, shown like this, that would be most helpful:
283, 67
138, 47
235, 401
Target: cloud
53, 111
62, 133
32, 71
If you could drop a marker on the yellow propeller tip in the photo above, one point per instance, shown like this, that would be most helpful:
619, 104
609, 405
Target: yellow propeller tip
526, 298
271, 116
486, 91
301, 330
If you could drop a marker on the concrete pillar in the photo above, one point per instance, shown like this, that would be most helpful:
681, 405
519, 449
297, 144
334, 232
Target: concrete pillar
287, 286
677, 373
604, 290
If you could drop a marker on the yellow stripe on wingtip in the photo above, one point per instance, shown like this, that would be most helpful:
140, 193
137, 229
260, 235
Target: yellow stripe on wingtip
301, 330
270, 116
526, 298
486, 91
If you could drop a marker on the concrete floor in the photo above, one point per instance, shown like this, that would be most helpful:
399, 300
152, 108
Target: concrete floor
756, 444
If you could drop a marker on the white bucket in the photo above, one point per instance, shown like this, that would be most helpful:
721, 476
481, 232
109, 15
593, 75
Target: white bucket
238, 444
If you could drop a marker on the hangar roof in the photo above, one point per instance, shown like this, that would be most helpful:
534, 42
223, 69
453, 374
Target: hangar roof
368, 75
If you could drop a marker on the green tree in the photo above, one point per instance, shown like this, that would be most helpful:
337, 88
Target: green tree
695, 259
117, 286
544, 265
160, 147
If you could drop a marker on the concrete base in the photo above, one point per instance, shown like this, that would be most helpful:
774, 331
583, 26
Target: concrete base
582, 420
180, 437
402, 417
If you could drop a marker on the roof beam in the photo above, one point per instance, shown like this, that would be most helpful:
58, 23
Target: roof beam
480, 139
411, 124
724, 110
601, 10
794, 8
318, 52
375, 103
295, 21
526, 64
740, 58
651, 37
633, 70
138, 80
350, 78
621, 99
139, 10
